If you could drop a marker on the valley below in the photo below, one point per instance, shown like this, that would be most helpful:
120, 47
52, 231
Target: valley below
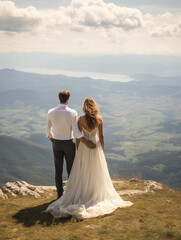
142, 124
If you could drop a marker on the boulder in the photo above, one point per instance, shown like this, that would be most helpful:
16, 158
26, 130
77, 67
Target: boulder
22, 188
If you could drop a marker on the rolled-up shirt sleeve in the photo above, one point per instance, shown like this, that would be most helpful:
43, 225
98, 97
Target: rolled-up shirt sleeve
49, 127
75, 128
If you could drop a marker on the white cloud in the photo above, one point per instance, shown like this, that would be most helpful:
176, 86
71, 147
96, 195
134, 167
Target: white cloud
89, 27
167, 30
164, 25
166, 15
96, 13
77, 16
16, 19
162, 31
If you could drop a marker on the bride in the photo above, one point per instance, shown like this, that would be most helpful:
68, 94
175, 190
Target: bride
89, 191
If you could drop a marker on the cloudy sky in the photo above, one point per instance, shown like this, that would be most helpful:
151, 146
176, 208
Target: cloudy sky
91, 26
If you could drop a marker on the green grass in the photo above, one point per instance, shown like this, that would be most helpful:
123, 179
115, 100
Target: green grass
153, 216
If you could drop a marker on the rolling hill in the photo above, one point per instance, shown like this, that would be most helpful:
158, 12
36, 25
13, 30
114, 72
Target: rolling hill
27, 161
142, 120
21, 160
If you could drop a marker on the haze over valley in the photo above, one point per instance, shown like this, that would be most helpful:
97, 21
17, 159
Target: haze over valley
142, 124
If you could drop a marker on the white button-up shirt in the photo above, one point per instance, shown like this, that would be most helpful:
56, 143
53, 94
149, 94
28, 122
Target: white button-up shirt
62, 123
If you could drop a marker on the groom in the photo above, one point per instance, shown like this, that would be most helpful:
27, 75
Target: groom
62, 127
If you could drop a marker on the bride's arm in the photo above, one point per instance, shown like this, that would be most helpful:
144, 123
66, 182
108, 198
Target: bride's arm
101, 135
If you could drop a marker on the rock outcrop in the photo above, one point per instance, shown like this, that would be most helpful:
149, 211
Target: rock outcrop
22, 188
149, 186
3, 195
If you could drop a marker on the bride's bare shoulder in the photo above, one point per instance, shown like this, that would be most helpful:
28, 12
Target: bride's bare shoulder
82, 120
100, 119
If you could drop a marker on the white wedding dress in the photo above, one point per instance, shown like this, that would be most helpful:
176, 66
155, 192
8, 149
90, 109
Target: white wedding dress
89, 191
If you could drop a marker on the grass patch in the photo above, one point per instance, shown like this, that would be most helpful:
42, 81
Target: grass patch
153, 216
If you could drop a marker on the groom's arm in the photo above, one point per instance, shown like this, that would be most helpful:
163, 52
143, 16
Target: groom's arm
88, 143
49, 128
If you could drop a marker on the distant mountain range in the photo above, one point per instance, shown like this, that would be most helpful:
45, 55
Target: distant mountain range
142, 124
103, 63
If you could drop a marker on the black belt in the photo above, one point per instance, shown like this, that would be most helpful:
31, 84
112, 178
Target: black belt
57, 140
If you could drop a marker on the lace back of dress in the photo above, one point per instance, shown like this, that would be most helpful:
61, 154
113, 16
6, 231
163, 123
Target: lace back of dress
88, 133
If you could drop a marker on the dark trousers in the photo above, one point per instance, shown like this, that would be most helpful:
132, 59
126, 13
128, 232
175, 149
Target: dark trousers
61, 149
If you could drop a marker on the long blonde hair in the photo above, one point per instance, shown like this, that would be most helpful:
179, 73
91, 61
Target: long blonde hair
91, 111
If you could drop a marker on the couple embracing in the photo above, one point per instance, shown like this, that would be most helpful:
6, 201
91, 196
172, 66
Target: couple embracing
89, 191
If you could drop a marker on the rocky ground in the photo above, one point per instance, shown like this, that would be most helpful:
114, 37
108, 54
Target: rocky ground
155, 214
22, 188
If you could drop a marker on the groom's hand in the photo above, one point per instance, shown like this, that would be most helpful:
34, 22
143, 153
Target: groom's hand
90, 145
51, 139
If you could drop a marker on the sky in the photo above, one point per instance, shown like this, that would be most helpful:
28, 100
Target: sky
91, 27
